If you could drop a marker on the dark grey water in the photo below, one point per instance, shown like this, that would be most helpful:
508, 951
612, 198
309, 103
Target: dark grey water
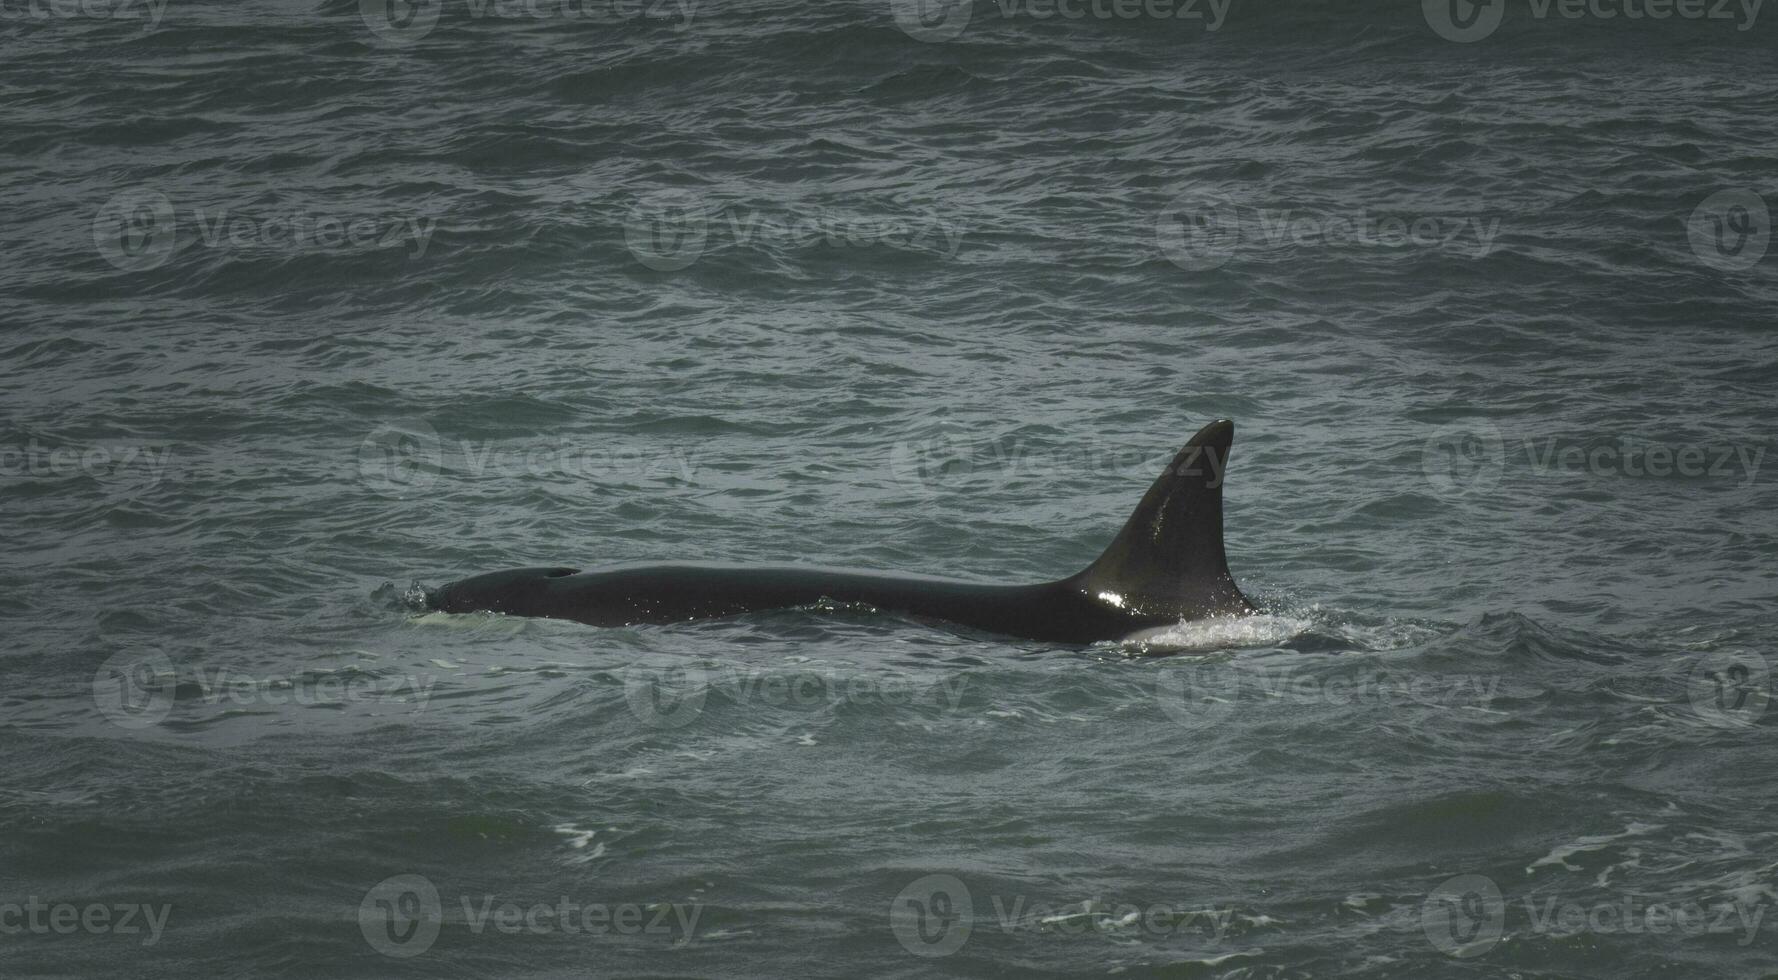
309, 306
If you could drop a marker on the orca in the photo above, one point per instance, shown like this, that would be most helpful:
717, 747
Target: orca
1166, 566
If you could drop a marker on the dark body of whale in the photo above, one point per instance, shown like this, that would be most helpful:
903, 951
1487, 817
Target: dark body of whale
1165, 566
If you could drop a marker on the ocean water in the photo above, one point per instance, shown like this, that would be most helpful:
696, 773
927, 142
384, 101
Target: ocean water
308, 307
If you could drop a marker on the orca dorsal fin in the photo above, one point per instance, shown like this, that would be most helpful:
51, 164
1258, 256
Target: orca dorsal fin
1168, 559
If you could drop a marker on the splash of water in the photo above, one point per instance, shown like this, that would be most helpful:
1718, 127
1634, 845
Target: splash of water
1216, 633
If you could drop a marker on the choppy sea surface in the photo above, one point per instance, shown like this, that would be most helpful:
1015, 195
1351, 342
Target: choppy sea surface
308, 307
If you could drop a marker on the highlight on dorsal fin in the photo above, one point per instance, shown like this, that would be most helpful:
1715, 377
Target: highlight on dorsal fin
1168, 559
